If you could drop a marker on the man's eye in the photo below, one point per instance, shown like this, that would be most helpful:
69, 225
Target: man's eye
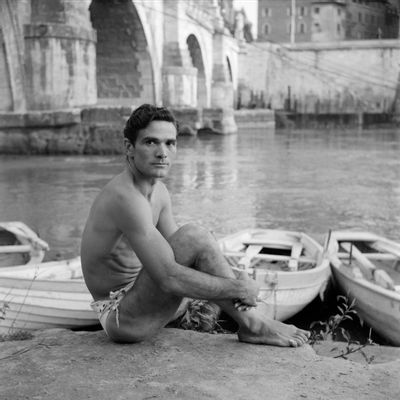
171, 144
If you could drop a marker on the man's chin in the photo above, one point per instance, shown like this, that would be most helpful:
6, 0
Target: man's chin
161, 174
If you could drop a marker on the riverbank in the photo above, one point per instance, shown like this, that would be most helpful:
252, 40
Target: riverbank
177, 364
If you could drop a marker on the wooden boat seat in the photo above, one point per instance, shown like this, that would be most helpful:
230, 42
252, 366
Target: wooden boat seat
280, 244
297, 249
379, 276
250, 253
385, 248
21, 248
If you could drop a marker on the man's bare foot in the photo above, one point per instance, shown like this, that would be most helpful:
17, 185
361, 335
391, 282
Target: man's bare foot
275, 333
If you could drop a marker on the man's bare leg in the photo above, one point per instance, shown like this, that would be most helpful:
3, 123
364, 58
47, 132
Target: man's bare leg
146, 309
254, 326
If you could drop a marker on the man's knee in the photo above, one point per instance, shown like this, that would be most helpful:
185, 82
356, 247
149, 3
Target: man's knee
188, 242
192, 233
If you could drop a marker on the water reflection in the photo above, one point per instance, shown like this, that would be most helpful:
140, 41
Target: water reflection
305, 180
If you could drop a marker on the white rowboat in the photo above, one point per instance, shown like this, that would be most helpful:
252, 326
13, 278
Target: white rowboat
366, 267
289, 266
44, 295
20, 245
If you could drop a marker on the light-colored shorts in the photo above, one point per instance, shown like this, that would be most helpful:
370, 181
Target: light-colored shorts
103, 308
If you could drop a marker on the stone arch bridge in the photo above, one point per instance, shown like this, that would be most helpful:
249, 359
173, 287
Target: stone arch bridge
64, 54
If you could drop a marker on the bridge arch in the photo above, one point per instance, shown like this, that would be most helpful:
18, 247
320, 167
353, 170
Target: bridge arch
125, 66
198, 62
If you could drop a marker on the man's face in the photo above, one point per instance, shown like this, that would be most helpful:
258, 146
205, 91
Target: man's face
155, 149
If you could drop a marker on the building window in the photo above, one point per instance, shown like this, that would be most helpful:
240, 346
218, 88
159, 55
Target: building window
359, 17
338, 28
317, 27
316, 10
267, 12
302, 11
302, 28
267, 30
339, 11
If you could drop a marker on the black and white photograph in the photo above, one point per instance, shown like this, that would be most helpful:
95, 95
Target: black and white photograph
200, 199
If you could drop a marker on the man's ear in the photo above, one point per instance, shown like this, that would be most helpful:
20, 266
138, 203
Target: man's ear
129, 147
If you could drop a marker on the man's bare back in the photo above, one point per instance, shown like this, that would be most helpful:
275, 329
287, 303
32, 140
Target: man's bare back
131, 225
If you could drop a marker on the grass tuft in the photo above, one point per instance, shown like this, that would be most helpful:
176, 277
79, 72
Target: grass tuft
201, 316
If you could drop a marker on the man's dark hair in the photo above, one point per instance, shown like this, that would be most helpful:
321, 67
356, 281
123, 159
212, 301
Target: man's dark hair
141, 118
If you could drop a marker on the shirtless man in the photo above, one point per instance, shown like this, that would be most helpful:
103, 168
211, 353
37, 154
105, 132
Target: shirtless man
131, 225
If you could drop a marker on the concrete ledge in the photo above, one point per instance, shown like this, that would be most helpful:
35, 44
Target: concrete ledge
286, 119
40, 118
176, 364
89, 130
255, 118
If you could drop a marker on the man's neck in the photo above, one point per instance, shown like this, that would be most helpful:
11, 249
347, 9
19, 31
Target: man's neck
144, 184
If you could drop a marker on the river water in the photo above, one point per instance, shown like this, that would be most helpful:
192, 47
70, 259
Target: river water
311, 181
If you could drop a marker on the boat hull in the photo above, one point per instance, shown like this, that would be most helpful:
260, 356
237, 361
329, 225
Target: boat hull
378, 306
46, 295
378, 309
284, 293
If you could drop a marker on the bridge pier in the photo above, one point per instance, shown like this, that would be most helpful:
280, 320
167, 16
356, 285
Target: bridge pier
60, 53
179, 86
222, 91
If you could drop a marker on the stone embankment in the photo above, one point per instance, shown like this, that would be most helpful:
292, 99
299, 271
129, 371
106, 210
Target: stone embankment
99, 129
177, 364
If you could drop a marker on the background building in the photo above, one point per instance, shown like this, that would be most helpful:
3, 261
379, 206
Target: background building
325, 20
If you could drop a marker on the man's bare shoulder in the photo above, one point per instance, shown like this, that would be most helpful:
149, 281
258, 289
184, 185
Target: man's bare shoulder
118, 188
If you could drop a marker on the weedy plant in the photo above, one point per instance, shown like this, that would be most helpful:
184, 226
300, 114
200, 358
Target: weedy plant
11, 334
332, 329
202, 316
3, 309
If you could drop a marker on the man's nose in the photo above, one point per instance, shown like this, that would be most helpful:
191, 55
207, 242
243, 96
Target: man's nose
162, 151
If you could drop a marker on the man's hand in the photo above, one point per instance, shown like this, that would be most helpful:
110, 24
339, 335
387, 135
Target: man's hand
245, 303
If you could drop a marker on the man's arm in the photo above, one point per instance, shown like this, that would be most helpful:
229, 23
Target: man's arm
156, 255
166, 222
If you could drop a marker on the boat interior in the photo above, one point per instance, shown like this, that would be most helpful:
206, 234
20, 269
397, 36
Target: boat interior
10, 258
287, 253
377, 261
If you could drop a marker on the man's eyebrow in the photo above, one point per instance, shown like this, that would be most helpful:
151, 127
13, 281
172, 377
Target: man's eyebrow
156, 139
